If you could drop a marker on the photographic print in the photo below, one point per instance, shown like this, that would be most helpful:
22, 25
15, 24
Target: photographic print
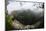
24, 15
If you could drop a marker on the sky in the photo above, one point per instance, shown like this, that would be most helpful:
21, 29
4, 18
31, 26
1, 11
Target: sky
13, 5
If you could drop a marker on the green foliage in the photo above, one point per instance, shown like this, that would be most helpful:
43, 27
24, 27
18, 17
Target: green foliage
8, 20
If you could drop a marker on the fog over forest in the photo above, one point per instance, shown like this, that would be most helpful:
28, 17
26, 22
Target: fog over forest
26, 14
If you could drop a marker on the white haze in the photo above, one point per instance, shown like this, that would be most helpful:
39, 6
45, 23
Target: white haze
25, 5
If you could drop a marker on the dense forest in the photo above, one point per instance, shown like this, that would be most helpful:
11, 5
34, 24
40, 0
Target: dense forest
25, 18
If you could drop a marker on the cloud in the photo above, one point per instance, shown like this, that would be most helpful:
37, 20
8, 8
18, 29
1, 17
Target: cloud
23, 5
